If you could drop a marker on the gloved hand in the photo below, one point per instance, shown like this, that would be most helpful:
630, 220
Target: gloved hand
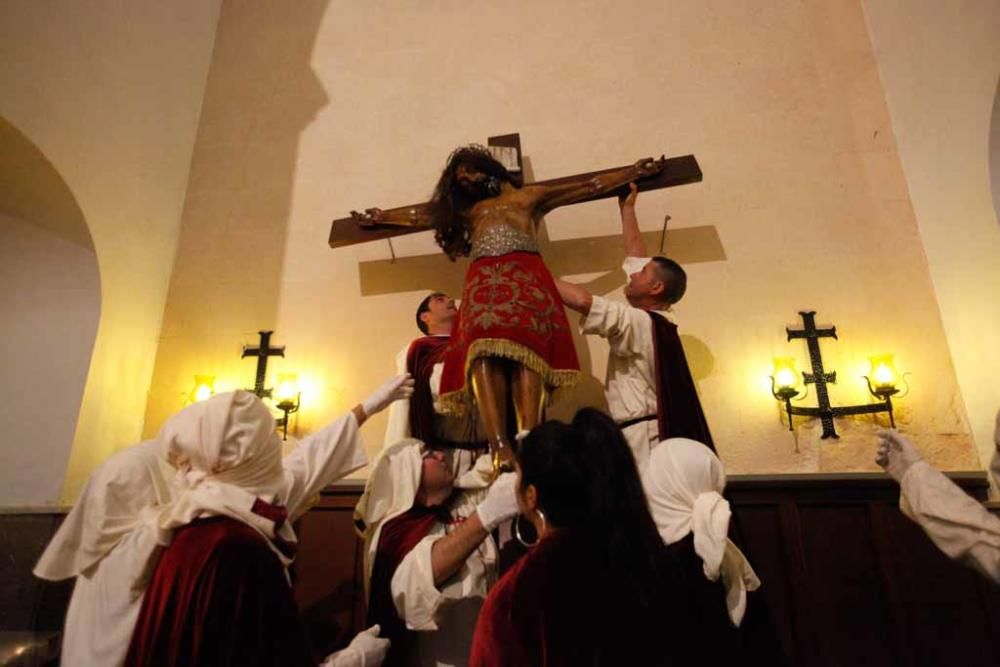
500, 502
367, 649
896, 453
391, 390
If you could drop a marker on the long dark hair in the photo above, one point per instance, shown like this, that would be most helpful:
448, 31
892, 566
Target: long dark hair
587, 481
450, 202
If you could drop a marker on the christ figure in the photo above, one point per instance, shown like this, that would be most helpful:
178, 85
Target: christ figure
511, 343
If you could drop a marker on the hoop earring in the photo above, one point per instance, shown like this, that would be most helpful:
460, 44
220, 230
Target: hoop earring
517, 530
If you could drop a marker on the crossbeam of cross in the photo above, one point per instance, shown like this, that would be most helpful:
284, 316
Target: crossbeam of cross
350, 231
600, 255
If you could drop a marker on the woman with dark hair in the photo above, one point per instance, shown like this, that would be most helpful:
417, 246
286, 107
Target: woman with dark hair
595, 589
511, 337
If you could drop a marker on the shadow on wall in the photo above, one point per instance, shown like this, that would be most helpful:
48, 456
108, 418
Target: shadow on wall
51, 297
261, 94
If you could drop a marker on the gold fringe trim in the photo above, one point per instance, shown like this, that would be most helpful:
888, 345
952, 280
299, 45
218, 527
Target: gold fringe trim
457, 403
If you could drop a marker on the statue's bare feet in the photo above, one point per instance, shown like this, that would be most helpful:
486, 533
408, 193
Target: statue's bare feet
503, 459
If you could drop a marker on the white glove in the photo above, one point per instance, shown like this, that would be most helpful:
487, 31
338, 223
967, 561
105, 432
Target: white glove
367, 649
500, 502
398, 387
896, 453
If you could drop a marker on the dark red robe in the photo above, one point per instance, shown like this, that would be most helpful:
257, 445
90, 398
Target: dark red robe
398, 537
561, 606
218, 596
420, 359
678, 410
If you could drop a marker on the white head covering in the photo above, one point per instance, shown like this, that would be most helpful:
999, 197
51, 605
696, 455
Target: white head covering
390, 490
131, 481
227, 454
684, 481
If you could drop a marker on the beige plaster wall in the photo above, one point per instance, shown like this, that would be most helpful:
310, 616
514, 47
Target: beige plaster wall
52, 284
940, 63
110, 93
314, 110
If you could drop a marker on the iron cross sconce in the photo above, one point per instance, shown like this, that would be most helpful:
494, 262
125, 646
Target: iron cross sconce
784, 379
285, 395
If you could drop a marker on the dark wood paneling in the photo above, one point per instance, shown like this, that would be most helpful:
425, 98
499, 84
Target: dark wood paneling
327, 571
846, 577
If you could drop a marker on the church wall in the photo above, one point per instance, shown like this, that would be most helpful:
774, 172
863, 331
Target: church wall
110, 93
52, 285
940, 63
311, 111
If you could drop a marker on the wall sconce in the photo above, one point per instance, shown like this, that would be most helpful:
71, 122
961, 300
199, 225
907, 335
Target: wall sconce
204, 387
785, 379
289, 399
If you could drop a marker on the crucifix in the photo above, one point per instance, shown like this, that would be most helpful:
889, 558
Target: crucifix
481, 207
262, 352
821, 378
360, 228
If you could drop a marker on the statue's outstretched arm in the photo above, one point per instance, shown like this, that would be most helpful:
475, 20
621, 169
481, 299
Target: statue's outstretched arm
578, 188
418, 215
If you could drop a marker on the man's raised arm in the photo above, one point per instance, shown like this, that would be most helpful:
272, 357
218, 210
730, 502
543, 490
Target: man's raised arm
631, 236
575, 297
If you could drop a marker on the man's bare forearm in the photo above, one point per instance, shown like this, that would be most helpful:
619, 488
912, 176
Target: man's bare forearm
631, 236
574, 296
448, 553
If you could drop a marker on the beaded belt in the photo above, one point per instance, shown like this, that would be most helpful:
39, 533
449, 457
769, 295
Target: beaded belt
499, 240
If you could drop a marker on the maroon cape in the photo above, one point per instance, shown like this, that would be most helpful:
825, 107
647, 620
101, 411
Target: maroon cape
678, 410
420, 359
398, 537
218, 596
559, 605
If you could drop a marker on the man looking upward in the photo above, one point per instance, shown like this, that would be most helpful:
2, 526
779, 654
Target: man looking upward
649, 387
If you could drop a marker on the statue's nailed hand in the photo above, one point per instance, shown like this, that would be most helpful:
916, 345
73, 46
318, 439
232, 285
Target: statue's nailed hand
371, 217
648, 166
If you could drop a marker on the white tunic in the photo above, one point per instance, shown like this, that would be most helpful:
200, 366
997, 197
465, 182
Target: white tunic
958, 524
630, 385
445, 618
104, 608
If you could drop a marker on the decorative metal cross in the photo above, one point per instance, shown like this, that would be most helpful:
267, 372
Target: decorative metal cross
262, 352
821, 378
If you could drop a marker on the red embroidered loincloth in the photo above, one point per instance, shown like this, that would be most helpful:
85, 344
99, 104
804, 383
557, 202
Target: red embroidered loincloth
510, 309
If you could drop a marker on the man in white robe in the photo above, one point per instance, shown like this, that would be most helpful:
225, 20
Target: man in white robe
957, 524
456, 436
429, 557
111, 539
654, 284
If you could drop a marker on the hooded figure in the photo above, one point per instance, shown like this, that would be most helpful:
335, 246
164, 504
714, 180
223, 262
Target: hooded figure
412, 503
684, 481
171, 530
108, 542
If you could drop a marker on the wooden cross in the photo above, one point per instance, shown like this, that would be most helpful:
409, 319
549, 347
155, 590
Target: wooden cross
262, 352
676, 171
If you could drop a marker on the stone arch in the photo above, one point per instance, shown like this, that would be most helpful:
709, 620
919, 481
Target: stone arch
51, 301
